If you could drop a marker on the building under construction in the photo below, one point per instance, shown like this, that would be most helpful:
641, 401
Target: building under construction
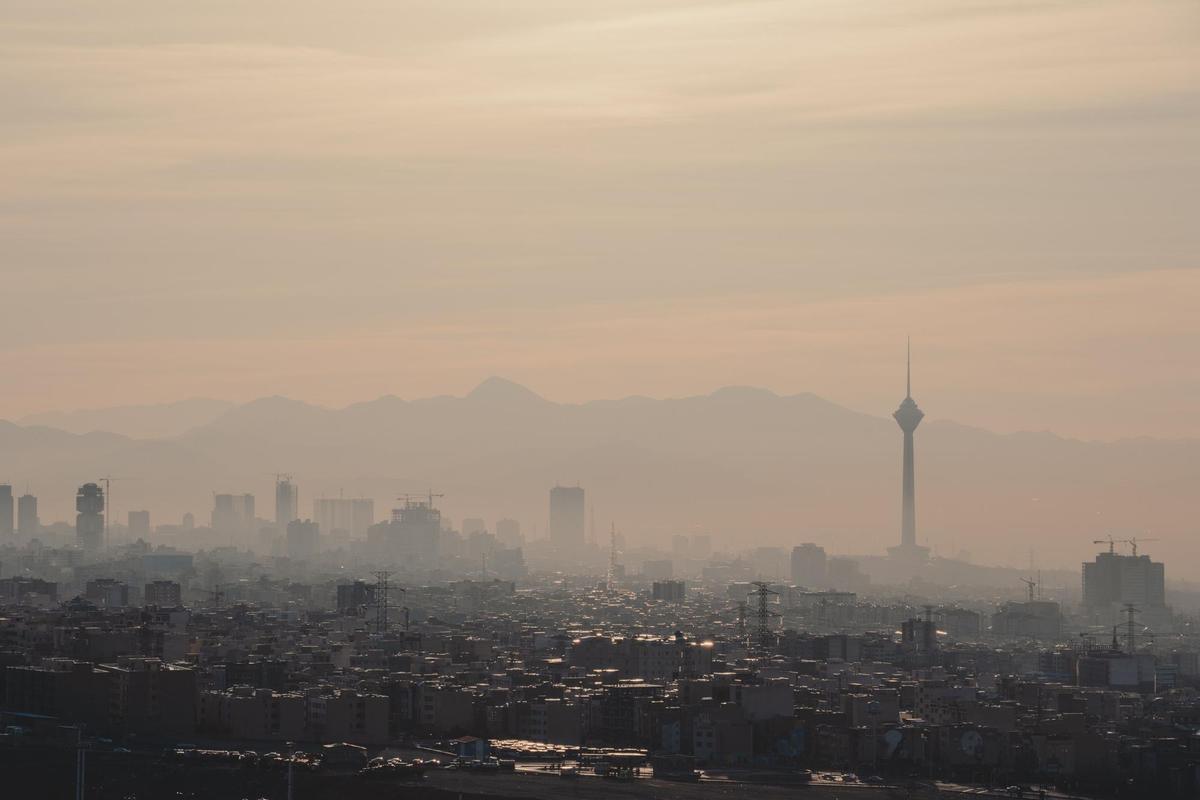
1114, 580
89, 522
412, 538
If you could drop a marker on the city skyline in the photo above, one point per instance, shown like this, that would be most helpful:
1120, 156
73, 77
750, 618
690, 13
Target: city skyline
499, 399
496, 396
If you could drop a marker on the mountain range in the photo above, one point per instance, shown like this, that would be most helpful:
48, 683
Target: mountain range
745, 464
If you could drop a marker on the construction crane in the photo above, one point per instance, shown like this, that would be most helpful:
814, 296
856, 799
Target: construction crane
1132, 541
108, 505
408, 498
1029, 585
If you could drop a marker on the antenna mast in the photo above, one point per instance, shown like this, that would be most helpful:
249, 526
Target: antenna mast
908, 370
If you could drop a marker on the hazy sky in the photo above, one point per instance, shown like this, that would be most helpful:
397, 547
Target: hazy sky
334, 201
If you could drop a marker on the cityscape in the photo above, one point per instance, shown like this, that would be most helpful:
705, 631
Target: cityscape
620, 400
411, 648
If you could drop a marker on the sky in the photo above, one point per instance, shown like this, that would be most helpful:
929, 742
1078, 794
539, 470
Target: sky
334, 201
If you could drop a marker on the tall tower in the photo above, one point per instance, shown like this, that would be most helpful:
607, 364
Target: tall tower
89, 522
287, 501
908, 416
27, 515
6, 510
567, 519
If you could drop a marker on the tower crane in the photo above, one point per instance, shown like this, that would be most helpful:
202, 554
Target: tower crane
108, 505
1029, 585
408, 498
1132, 541
1111, 542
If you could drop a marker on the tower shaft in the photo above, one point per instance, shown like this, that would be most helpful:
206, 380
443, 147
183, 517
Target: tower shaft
908, 522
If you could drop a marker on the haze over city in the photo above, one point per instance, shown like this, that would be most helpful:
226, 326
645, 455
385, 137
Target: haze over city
677, 398
742, 464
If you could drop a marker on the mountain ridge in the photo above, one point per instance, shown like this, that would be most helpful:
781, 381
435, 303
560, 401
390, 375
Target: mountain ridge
743, 463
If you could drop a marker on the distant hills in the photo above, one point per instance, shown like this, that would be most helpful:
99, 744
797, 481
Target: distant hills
138, 422
746, 464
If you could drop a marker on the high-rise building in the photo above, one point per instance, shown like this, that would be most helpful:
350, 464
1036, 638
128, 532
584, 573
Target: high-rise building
28, 523
670, 591
164, 594
189, 521
809, 566
908, 416
412, 538
287, 501
303, 539
6, 510
1114, 579
233, 513
139, 524
567, 518
89, 521
342, 517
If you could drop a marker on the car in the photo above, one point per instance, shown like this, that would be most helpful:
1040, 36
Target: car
874, 780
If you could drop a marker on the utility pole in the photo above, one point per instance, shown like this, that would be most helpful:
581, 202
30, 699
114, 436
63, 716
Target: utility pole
763, 629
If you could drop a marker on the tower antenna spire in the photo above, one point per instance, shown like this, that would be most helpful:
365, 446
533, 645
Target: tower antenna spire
908, 370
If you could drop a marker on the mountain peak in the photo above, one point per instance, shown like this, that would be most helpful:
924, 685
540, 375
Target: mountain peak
496, 389
743, 393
